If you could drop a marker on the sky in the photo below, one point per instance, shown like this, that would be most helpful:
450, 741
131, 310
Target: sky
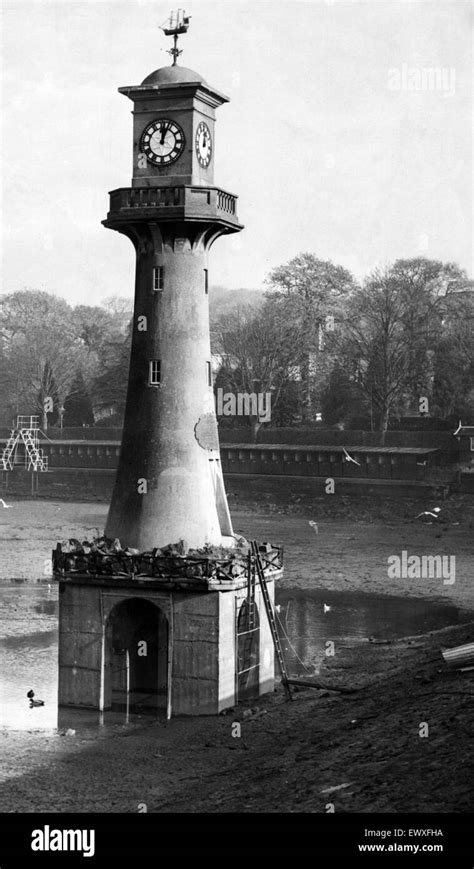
336, 139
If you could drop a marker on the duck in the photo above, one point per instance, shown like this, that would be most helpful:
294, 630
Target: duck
33, 702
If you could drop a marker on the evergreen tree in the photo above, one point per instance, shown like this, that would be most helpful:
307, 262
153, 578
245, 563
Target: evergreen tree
77, 405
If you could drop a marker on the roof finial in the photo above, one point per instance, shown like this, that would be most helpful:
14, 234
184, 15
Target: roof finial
177, 23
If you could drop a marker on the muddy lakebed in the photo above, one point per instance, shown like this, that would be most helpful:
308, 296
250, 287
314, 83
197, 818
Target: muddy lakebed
335, 589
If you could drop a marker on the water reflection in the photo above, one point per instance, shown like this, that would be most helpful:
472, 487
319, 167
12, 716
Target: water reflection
312, 617
47, 607
39, 640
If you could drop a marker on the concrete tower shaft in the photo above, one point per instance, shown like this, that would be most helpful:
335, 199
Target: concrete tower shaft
169, 481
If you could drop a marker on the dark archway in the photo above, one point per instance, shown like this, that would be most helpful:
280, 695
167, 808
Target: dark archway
248, 651
136, 656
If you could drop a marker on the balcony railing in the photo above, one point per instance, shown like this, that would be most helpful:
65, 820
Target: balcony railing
192, 201
226, 202
146, 197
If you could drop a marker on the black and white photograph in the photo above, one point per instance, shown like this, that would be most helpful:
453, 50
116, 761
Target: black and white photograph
237, 432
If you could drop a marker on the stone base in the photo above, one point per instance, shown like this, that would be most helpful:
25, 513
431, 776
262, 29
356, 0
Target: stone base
160, 646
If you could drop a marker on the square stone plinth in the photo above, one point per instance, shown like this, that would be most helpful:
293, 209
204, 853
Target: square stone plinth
178, 649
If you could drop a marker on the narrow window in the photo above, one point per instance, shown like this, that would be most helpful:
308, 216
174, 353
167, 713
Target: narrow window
206, 281
209, 377
158, 278
155, 372
472, 444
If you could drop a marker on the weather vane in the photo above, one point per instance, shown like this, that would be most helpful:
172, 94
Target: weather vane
177, 23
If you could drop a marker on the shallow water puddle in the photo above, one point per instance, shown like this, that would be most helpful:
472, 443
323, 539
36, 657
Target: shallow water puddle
28, 654
311, 617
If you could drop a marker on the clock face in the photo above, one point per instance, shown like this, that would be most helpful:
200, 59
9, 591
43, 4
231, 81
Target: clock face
162, 142
203, 144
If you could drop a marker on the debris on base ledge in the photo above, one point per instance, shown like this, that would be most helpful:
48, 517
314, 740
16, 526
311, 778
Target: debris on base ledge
210, 565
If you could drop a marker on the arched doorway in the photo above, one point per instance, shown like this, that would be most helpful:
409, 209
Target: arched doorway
248, 650
136, 656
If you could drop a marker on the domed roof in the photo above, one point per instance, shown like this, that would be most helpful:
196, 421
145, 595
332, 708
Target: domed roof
172, 75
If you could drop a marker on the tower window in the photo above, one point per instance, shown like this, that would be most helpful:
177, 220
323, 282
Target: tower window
158, 278
206, 281
155, 372
208, 371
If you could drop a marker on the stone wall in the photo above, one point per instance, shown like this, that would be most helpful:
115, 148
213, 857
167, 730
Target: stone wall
388, 463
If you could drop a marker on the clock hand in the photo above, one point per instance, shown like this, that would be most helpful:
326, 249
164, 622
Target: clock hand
163, 131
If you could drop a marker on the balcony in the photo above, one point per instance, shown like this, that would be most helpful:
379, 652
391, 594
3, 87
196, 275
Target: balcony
199, 204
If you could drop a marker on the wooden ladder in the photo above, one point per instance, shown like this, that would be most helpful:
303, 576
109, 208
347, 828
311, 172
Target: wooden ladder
271, 618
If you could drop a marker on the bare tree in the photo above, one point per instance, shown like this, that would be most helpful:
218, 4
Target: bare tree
120, 308
43, 349
392, 330
453, 390
311, 294
256, 348
423, 287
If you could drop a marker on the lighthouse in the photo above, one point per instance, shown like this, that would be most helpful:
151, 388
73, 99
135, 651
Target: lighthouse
169, 483
166, 612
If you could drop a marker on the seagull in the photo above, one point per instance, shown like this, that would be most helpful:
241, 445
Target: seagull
349, 458
326, 608
7, 506
434, 514
30, 695
313, 525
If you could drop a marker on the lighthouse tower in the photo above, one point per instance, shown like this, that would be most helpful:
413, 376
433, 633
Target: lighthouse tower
169, 627
169, 482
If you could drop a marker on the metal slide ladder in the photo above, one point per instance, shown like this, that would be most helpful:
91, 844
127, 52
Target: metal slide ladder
7, 458
271, 618
26, 432
33, 453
